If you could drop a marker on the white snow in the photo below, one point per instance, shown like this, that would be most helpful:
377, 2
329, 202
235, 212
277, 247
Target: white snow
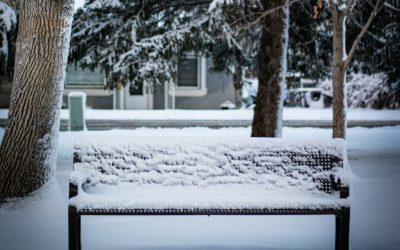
40, 222
204, 173
77, 94
283, 70
217, 3
364, 91
98, 4
8, 18
78, 4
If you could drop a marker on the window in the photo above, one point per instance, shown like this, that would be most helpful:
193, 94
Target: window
188, 73
191, 78
84, 78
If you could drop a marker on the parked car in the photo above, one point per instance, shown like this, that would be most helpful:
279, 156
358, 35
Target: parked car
309, 98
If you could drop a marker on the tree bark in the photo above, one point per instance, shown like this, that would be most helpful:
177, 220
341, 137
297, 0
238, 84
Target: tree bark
27, 152
267, 121
238, 86
339, 121
341, 61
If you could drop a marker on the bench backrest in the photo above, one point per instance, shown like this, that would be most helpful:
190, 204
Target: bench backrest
171, 161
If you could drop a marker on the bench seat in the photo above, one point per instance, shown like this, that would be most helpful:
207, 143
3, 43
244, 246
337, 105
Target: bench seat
153, 197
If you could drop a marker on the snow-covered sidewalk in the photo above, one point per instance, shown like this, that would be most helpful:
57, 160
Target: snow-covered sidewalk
242, 114
40, 221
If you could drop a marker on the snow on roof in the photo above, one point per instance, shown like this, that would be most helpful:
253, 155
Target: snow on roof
208, 172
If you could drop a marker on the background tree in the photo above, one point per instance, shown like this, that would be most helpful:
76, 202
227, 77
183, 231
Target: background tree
136, 41
340, 12
235, 40
310, 48
267, 121
27, 151
310, 43
379, 50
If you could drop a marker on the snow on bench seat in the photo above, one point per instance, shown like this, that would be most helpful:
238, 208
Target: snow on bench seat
207, 173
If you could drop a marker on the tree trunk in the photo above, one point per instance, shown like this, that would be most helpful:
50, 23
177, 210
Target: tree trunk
28, 149
267, 121
238, 86
339, 123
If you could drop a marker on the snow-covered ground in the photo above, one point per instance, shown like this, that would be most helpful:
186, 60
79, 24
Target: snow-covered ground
40, 221
241, 114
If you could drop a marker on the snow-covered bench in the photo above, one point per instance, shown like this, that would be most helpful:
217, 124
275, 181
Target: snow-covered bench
208, 176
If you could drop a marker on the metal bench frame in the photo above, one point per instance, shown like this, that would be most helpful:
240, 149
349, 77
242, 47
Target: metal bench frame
342, 215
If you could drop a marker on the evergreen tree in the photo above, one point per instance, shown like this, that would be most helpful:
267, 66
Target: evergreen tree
310, 43
8, 26
235, 39
267, 121
136, 41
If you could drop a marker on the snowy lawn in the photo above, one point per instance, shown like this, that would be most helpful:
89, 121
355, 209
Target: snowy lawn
241, 114
40, 221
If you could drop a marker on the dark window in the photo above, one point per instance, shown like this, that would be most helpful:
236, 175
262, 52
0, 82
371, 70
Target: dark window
187, 73
315, 95
136, 89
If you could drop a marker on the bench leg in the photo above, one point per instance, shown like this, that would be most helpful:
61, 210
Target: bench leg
342, 229
74, 229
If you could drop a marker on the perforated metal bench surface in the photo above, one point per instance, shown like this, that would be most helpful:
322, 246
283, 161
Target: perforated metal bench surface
156, 176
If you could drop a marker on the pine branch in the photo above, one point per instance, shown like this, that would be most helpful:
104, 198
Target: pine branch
12, 3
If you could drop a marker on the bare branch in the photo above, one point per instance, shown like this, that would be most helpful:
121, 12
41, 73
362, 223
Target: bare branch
391, 6
353, 49
332, 6
262, 16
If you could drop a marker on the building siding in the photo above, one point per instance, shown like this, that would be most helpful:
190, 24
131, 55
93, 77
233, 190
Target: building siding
219, 89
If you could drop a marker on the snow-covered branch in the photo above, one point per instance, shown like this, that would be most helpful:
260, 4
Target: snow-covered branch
8, 23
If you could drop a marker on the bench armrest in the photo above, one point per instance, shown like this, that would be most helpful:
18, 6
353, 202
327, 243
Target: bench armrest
73, 190
344, 191
76, 181
338, 185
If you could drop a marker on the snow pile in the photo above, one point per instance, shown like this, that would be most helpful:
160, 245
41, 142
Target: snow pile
368, 91
192, 173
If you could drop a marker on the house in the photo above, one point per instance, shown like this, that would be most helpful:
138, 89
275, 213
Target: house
196, 87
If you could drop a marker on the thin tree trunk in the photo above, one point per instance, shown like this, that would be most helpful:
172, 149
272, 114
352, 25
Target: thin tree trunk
238, 86
267, 121
27, 152
341, 61
338, 79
